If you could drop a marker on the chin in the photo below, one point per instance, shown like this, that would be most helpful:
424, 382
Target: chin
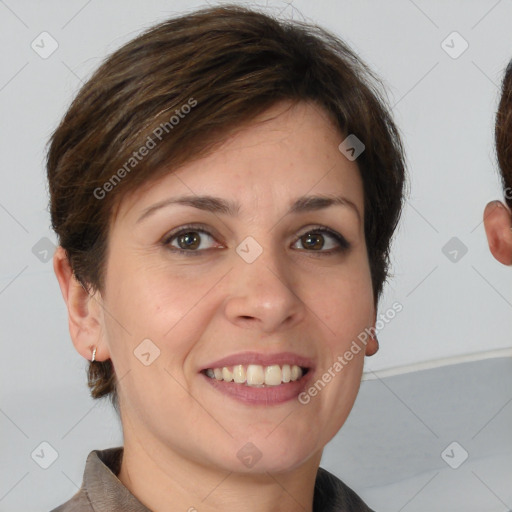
279, 452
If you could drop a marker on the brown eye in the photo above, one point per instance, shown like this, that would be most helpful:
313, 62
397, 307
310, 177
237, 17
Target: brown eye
189, 240
312, 241
317, 239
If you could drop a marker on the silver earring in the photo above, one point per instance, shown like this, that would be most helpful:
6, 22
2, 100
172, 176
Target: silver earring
93, 355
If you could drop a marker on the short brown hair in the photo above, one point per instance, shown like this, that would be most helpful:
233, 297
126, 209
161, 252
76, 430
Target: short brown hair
503, 134
231, 64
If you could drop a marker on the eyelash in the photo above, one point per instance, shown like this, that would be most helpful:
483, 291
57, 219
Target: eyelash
344, 246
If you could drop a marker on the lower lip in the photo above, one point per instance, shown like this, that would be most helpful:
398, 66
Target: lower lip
268, 395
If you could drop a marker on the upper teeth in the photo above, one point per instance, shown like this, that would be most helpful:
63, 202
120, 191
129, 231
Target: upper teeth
256, 375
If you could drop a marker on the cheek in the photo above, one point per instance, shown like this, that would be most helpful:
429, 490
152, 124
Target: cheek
346, 310
150, 325
343, 300
143, 293
150, 303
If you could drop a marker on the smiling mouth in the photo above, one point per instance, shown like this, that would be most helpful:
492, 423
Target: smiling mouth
256, 375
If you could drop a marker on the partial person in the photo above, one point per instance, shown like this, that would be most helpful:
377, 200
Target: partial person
497, 214
224, 189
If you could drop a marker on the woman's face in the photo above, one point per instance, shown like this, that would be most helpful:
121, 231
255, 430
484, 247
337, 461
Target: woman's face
192, 288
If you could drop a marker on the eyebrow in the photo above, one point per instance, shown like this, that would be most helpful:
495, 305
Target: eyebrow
226, 207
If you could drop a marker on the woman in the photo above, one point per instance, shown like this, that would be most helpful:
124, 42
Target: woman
224, 189
497, 216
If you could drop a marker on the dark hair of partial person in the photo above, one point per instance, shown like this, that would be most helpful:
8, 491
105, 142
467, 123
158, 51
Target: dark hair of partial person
503, 134
234, 63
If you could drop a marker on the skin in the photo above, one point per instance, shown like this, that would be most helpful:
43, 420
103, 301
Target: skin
181, 436
498, 228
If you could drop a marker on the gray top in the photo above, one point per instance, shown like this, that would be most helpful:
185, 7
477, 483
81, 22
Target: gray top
102, 491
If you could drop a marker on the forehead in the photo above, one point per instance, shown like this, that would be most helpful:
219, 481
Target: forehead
288, 151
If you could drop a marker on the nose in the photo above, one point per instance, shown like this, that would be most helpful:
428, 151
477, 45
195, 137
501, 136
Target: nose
263, 294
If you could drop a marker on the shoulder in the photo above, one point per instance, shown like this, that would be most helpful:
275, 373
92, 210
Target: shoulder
99, 477
332, 495
78, 503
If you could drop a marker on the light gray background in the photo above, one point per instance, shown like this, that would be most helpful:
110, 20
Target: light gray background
453, 312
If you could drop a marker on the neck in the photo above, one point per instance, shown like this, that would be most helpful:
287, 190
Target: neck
166, 481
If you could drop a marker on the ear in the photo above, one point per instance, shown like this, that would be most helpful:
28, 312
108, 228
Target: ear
84, 310
498, 224
372, 344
